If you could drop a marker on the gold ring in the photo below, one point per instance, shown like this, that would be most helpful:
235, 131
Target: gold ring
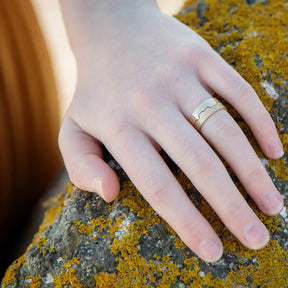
204, 111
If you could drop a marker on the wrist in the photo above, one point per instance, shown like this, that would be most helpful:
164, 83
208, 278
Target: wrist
102, 19
103, 11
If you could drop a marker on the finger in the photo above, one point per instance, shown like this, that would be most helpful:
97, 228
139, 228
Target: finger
154, 180
229, 140
199, 162
83, 159
227, 83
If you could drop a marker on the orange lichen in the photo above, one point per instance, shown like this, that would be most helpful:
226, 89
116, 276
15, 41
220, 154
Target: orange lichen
255, 32
255, 28
279, 167
103, 280
132, 266
271, 271
35, 282
100, 223
49, 218
12, 271
241, 34
42, 242
68, 276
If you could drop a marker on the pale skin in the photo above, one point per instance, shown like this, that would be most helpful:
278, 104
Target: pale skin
141, 74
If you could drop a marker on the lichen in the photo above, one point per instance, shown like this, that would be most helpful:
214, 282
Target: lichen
49, 218
279, 167
35, 282
135, 271
254, 38
68, 276
100, 223
246, 37
12, 271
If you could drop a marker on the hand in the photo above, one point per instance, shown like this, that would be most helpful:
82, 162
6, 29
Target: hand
141, 74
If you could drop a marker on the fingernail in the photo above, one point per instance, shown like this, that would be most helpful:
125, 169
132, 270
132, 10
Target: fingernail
256, 236
97, 187
271, 203
210, 250
275, 147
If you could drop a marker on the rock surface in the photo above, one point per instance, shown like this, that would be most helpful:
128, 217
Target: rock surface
86, 242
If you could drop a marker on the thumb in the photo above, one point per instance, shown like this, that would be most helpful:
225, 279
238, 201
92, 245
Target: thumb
84, 162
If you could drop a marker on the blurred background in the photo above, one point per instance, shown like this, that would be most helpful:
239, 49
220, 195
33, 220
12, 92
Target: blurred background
37, 82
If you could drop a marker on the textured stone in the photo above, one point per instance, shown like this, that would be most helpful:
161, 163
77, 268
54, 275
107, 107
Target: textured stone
86, 242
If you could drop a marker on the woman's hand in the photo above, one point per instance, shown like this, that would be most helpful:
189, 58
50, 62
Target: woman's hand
141, 74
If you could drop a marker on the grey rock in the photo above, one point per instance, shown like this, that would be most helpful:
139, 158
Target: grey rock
86, 242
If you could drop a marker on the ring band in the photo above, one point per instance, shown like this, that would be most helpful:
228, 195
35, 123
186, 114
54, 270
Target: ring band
204, 111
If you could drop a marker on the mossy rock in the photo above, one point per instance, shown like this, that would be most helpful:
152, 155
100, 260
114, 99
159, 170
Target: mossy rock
86, 242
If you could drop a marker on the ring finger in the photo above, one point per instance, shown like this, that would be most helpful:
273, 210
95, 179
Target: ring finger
199, 162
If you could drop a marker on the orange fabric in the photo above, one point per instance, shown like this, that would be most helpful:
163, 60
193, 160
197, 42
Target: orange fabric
29, 117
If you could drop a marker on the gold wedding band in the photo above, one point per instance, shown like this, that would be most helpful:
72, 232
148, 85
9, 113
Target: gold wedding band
204, 111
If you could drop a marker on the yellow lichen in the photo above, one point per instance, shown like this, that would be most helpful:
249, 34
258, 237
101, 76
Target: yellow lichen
253, 30
271, 270
35, 282
116, 226
68, 276
49, 218
241, 34
42, 242
100, 223
279, 167
179, 243
12, 271
104, 280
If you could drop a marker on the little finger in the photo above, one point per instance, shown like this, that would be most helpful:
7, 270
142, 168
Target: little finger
222, 132
225, 81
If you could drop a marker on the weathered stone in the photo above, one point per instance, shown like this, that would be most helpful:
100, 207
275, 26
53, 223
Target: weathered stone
86, 242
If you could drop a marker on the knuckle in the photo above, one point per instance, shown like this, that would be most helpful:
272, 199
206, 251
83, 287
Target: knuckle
235, 212
191, 233
165, 75
146, 96
265, 122
257, 173
77, 170
73, 172
244, 90
185, 53
225, 129
150, 101
61, 138
203, 60
191, 51
201, 161
116, 128
202, 55
119, 129
155, 189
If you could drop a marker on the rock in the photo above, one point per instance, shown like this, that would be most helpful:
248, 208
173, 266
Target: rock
86, 242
